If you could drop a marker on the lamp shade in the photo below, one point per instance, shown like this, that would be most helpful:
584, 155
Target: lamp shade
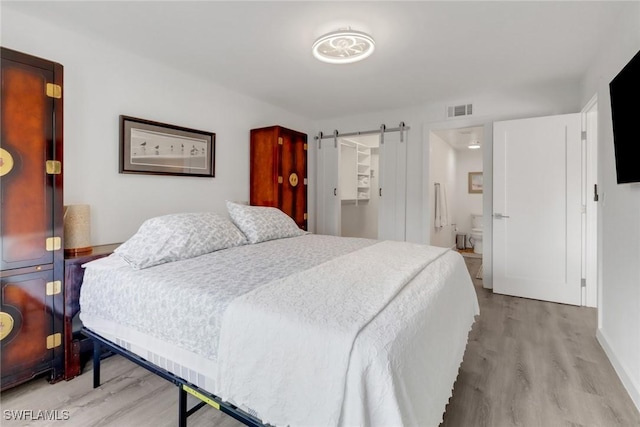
77, 229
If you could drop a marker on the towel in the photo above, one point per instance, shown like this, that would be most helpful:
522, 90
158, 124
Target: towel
442, 211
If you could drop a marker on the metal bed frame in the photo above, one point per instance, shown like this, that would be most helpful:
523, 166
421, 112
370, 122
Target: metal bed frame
184, 387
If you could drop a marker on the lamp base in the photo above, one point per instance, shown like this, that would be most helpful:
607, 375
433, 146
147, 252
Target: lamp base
78, 251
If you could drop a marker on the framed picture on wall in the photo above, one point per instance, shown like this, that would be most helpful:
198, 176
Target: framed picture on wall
149, 147
475, 182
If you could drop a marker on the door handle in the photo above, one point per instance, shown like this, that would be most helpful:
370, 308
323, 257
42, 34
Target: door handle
335, 191
500, 216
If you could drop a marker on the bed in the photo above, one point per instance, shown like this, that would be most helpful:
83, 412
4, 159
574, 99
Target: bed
283, 326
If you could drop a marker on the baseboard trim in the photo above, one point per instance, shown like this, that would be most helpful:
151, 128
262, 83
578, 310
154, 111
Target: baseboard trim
627, 381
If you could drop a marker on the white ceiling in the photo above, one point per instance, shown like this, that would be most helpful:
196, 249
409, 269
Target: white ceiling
425, 51
460, 138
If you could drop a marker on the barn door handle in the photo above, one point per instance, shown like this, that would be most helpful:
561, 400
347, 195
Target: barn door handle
380, 191
335, 191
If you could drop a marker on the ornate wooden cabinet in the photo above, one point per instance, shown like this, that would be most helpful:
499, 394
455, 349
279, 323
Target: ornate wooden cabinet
31, 247
279, 171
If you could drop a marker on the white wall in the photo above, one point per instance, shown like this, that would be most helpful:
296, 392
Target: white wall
443, 171
619, 214
102, 82
466, 203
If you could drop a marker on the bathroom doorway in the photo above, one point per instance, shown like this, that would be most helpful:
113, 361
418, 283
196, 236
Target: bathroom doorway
456, 189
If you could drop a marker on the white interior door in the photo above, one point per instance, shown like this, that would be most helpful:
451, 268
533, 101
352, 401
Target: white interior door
537, 208
392, 187
328, 196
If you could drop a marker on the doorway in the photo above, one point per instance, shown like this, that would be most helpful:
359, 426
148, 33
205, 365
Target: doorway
389, 169
456, 189
358, 181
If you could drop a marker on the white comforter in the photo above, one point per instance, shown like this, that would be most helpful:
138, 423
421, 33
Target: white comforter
364, 339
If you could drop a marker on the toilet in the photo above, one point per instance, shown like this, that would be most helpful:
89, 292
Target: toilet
476, 233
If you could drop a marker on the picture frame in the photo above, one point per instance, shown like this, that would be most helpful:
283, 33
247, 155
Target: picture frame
475, 182
148, 147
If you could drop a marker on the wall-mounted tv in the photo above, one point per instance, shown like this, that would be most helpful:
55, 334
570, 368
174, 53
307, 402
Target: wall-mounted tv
625, 100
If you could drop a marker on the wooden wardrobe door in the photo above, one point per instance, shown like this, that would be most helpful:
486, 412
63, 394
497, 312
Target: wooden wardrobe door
293, 158
31, 227
26, 190
264, 167
279, 171
27, 348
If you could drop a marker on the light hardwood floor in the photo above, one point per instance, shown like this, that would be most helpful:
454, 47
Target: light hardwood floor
528, 363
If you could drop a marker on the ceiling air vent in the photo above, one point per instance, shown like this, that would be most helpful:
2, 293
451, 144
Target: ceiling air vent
459, 110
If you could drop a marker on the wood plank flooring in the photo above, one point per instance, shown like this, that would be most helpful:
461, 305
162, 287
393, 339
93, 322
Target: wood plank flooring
535, 363
528, 363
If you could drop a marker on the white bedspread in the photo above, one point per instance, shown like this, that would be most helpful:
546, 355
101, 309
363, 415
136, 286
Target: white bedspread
421, 337
293, 338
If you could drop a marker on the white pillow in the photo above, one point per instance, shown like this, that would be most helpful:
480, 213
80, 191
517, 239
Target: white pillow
179, 236
260, 223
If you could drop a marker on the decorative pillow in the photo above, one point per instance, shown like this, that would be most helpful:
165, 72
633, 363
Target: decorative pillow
261, 223
179, 236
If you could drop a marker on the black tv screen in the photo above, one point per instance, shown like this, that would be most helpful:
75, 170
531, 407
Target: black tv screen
625, 99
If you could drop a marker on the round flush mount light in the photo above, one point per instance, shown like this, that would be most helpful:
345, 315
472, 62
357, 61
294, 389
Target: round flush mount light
343, 47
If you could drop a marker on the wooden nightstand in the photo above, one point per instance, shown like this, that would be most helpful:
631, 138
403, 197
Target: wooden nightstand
73, 275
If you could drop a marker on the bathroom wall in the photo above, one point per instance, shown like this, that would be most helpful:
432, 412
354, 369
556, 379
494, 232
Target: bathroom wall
466, 203
442, 170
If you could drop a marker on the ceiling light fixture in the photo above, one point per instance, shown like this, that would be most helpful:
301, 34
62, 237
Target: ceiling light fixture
343, 46
474, 145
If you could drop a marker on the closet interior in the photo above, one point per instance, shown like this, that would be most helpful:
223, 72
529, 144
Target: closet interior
359, 159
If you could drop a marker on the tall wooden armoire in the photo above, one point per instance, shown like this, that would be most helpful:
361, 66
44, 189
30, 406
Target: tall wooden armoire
31, 222
279, 171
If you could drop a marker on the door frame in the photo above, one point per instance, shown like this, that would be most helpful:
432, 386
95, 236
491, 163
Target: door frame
591, 268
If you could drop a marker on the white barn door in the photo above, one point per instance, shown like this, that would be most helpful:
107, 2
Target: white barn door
537, 208
327, 192
393, 183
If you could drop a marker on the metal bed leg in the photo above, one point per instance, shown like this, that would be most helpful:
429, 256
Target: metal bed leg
97, 348
182, 407
205, 397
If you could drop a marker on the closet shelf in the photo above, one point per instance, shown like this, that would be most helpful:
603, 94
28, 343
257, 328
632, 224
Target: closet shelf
355, 174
